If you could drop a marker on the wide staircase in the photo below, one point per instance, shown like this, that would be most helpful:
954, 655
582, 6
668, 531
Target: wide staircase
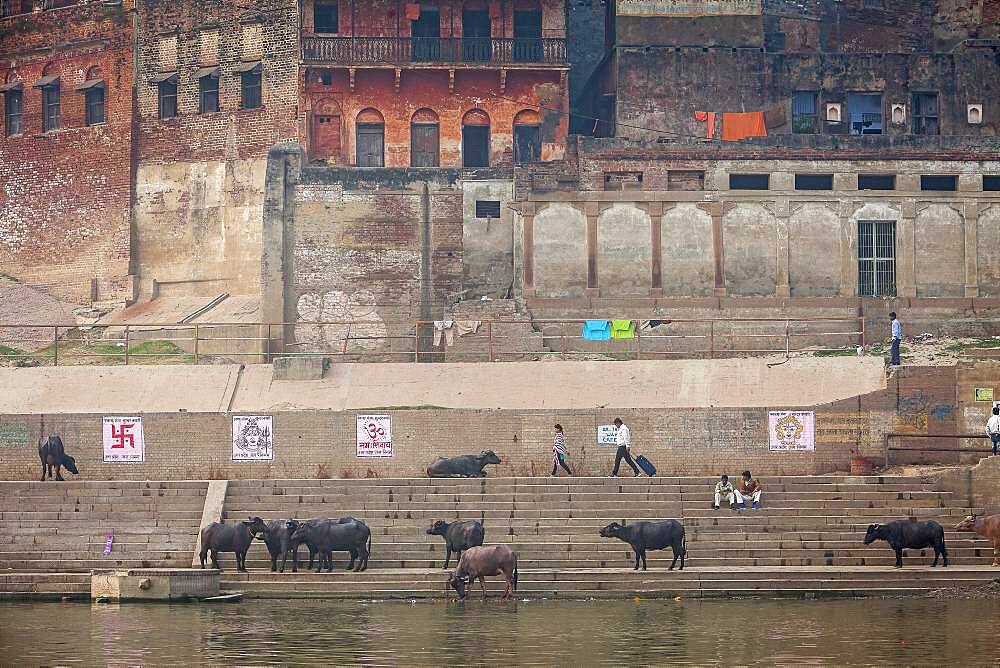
52, 534
807, 538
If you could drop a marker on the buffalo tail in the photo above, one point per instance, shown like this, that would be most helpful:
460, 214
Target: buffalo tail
515, 572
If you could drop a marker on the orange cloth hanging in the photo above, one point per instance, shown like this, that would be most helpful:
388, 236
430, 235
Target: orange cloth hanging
737, 126
711, 125
701, 116
412, 11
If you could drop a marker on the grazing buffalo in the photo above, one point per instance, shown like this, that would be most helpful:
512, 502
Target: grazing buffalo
277, 536
478, 562
644, 536
905, 534
458, 536
988, 526
325, 536
463, 466
52, 453
222, 537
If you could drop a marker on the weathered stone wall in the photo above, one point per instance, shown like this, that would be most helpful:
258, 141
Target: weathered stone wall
64, 194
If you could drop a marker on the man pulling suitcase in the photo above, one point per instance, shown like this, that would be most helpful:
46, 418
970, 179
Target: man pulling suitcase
623, 439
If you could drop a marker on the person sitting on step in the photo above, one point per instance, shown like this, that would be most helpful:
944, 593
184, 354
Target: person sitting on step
724, 490
748, 488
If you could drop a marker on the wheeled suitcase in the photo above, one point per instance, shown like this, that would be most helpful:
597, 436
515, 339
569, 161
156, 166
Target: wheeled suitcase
645, 465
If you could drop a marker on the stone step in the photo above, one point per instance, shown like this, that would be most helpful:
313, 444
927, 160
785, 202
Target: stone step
573, 495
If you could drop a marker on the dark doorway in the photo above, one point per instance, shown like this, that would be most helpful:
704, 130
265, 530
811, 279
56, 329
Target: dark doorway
527, 144
475, 146
424, 145
371, 145
426, 33
476, 42
528, 36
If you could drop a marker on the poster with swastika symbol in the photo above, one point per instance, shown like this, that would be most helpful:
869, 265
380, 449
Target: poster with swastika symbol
123, 440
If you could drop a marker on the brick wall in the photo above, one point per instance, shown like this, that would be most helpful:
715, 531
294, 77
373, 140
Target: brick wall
65, 194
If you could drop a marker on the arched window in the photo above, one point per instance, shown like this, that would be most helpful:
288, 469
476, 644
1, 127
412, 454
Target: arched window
476, 139
13, 104
51, 105
424, 139
527, 137
370, 139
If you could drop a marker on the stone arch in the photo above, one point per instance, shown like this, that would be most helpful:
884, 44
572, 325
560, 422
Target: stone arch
94, 72
370, 116
988, 252
687, 254
815, 251
624, 254
939, 243
476, 117
750, 234
560, 251
527, 117
424, 116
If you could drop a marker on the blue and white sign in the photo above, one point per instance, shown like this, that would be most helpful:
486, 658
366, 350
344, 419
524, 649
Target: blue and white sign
606, 434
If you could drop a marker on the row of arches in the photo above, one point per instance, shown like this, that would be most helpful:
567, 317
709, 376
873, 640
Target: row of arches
425, 136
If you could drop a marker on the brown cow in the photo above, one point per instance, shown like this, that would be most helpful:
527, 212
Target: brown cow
988, 526
478, 562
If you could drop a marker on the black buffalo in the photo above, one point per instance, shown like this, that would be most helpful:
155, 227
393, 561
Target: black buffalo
277, 537
908, 535
221, 537
52, 453
325, 536
463, 466
458, 536
644, 536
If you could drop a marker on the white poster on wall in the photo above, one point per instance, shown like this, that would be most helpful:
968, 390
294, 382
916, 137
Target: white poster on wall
792, 431
253, 438
374, 436
123, 440
606, 434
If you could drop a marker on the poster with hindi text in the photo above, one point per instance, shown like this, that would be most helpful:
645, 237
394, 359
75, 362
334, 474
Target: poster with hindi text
374, 436
792, 431
123, 440
253, 438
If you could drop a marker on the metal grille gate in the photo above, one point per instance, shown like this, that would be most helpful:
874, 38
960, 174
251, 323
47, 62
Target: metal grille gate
876, 259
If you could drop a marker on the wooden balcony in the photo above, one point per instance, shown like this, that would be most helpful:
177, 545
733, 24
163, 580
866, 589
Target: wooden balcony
431, 51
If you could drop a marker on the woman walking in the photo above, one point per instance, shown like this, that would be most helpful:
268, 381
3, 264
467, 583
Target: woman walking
559, 451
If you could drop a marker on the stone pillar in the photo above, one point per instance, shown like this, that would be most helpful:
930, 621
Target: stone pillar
592, 211
655, 212
528, 250
782, 213
971, 218
848, 249
714, 209
906, 261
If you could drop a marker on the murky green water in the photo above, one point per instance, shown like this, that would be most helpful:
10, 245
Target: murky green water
856, 632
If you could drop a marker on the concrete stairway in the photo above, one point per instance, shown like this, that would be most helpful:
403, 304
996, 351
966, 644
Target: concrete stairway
62, 527
812, 527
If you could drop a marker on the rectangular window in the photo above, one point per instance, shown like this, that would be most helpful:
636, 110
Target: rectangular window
925, 114
685, 179
13, 106
487, 208
865, 113
325, 17
991, 183
50, 107
749, 181
874, 4
814, 181
527, 144
876, 259
804, 112
876, 181
166, 93
95, 105
623, 180
942, 183
250, 97
208, 94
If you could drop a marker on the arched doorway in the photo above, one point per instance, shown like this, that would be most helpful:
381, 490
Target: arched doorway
527, 137
325, 142
476, 139
425, 139
370, 139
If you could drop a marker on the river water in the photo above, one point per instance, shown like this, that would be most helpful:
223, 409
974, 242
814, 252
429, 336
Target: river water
584, 633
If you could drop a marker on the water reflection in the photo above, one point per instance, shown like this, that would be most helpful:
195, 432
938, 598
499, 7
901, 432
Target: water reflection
542, 633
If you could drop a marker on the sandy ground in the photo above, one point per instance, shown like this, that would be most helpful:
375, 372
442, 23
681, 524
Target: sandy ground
20, 303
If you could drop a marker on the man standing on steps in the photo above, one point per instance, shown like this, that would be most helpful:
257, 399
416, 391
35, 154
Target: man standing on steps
897, 337
623, 439
993, 428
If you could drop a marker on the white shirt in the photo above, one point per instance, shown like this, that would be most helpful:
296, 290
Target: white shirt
623, 436
993, 426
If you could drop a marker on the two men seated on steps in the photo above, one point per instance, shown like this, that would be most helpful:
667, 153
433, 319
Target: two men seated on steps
748, 487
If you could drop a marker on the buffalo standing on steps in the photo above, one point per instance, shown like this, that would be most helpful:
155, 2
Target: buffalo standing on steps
987, 526
463, 466
458, 536
52, 453
277, 537
905, 534
326, 536
478, 562
644, 536
221, 537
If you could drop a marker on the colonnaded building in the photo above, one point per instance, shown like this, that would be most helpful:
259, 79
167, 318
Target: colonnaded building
381, 163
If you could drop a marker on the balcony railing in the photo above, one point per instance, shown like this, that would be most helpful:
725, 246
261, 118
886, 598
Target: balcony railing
465, 50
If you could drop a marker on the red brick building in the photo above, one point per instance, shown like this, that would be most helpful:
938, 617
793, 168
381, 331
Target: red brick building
449, 84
